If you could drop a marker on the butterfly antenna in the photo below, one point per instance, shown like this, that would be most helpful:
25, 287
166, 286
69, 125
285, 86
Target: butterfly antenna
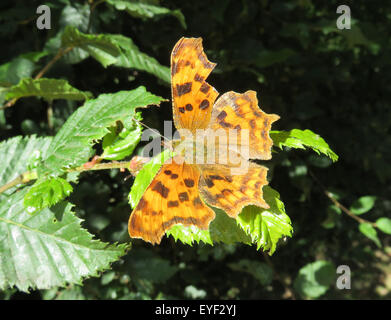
154, 130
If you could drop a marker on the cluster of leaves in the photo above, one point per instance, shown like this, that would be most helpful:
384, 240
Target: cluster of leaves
309, 72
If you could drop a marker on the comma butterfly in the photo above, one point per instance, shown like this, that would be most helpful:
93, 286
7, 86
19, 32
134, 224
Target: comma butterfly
181, 191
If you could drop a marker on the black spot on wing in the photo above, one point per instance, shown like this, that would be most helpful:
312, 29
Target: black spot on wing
161, 189
222, 115
182, 89
198, 78
142, 204
183, 196
205, 88
189, 183
172, 204
209, 183
204, 104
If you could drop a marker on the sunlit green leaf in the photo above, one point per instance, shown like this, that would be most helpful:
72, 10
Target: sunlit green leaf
314, 279
98, 46
266, 226
384, 224
48, 89
370, 232
132, 57
301, 139
363, 205
221, 229
117, 147
49, 248
139, 9
45, 193
114, 49
72, 144
18, 153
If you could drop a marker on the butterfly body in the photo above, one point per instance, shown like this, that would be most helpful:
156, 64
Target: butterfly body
211, 166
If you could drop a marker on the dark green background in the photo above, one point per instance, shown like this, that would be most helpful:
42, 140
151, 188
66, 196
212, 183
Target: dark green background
334, 82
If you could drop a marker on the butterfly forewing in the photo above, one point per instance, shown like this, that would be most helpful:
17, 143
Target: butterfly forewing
193, 97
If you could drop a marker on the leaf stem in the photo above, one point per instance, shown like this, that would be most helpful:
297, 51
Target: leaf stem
21, 179
338, 204
103, 166
93, 4
60, 53
32, 175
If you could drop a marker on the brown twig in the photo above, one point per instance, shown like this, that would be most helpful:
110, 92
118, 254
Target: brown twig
92, 7
338, 204
32, 175
58, 56
21, 179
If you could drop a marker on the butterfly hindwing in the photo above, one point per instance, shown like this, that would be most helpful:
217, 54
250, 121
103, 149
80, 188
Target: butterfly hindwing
236, 111
193, 97
171, 198
221, 188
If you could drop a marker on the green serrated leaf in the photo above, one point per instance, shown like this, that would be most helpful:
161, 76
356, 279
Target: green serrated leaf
122, 145
18, 154
114, 49
221, 229
99, 46
45, 193
132, 57
225, 229
71, 146
48, 89
12, 72
370, 232
384, 224
48, 249
142, 10
314, 279
20, 67
363, 205
189, 235
301, 139
266, 226
75, 15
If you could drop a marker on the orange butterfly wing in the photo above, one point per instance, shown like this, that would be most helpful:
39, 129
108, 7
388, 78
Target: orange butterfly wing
171, 198
174, 194
236, 111
192, 96
219, 186
174, 198
231, 192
